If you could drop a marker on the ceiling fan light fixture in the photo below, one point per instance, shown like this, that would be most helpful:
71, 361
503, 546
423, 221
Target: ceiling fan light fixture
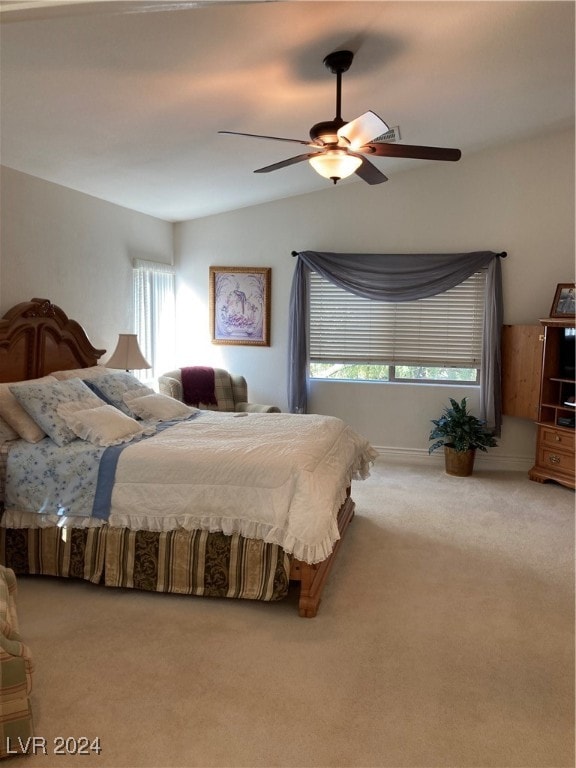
335, 164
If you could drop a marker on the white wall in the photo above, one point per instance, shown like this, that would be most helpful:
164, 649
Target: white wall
75, 250
518, 198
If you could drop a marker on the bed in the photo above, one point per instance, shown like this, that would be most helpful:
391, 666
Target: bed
198, 503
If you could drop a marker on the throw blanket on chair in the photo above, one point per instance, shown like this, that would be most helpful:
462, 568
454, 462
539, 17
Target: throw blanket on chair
198, 385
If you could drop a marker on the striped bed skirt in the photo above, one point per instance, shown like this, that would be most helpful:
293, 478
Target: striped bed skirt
179, 561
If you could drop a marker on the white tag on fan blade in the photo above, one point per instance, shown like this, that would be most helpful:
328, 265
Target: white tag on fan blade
363, 129
393, 134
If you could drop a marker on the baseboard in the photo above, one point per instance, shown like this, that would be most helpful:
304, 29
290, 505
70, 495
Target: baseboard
488, 460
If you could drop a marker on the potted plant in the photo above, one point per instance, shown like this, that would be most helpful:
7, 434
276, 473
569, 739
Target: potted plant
460, 433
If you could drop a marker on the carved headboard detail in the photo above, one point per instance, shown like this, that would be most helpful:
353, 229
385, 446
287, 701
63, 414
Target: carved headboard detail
37, 337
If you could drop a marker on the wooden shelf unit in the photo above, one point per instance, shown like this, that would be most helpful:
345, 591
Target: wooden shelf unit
555, 441
554, 403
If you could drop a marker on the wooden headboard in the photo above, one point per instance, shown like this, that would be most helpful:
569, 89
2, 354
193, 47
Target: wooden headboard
37, 337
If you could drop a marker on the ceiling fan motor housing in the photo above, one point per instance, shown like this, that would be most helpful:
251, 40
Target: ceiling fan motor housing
326, 132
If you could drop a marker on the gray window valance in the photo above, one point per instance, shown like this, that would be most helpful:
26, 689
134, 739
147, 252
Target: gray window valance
399, 277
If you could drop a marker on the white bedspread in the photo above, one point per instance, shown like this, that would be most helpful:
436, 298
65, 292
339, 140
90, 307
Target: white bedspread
277, 477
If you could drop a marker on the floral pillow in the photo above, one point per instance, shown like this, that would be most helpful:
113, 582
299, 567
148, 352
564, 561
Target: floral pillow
41, 400
16, 417
113, 386
93, 372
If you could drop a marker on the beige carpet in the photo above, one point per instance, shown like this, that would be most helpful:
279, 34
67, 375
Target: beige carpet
445, 639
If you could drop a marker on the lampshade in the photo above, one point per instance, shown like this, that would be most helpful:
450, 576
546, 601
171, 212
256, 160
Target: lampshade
127, 354
335, 164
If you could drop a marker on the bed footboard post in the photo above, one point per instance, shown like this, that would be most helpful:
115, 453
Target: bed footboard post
313, 577
310, 590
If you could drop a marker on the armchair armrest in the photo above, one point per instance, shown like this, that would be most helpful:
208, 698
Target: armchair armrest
171, 387
256, 408
16, 667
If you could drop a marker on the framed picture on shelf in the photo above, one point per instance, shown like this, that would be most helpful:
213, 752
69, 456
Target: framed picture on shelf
240, 305
564, 304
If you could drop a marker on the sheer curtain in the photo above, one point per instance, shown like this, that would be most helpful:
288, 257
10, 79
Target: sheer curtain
398, 277
155, 315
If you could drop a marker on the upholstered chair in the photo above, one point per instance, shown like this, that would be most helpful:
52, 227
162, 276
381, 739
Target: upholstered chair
231, 392
16, 726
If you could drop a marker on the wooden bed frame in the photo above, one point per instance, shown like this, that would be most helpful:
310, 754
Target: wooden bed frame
37, 338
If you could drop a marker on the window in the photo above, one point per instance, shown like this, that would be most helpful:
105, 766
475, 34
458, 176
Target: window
436, 339
155, 315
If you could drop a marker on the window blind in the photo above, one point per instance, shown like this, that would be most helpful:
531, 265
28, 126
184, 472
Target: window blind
442, 330
154, 314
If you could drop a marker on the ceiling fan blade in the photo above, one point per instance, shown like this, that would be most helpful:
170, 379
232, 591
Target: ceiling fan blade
284, 163
368, 172
363, 129
272, 138
412, 151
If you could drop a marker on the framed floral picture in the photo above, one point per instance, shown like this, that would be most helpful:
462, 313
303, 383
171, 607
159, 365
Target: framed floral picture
240, 305
564, 304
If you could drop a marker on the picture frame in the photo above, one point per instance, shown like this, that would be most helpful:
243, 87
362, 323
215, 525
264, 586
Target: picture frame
564, 304
240, 305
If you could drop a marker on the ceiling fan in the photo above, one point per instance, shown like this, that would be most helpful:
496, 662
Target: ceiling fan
339, 147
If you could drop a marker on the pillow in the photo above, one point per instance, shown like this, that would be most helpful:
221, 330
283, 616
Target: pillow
103, 426
16, 417
94, 372
6, 431
41, 400
157, 406
113, 386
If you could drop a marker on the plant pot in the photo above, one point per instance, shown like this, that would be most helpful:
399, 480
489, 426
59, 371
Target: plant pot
459, 463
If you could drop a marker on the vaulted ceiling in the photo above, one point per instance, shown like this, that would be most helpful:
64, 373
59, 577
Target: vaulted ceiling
123, 100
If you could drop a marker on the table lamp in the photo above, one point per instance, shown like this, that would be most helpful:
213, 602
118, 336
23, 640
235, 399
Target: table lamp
127, 354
